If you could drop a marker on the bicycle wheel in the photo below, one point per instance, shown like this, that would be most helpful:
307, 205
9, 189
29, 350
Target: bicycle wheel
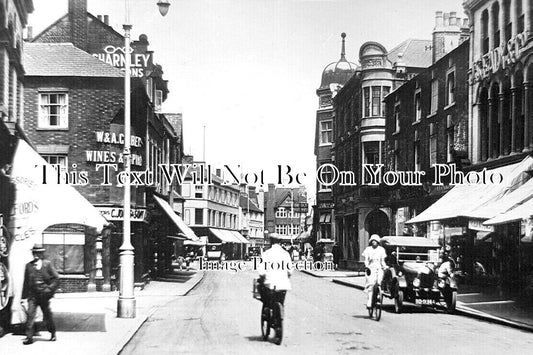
265, 322
278, 315
379, 304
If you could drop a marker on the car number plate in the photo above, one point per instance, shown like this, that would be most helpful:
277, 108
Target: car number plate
424, 301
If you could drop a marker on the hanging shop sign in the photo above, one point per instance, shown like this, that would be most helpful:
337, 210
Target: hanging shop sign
115, 56
500, 57
117, 213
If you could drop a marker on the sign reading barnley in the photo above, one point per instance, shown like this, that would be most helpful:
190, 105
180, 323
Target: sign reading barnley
115, 56
500, 57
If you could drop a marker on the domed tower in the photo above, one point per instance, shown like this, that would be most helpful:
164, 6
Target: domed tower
334, 76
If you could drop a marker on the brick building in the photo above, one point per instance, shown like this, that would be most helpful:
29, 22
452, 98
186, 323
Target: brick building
13, 20
75, 116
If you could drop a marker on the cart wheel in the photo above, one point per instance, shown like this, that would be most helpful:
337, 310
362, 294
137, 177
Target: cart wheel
451, 301
265, 322
398, 301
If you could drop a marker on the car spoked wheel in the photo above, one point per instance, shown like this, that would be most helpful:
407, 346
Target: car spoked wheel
265, 322
398, 301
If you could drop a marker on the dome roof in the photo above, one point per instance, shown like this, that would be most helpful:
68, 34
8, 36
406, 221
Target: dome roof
338, 72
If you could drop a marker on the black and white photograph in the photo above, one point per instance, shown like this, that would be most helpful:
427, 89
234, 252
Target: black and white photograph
266, 177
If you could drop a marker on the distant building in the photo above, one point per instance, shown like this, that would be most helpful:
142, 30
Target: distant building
285, 211
252, 222
212, 211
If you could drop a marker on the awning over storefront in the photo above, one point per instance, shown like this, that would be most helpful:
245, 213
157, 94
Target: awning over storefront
38, 206
223, 235
240, 237
480, 200
518, 213
184, 228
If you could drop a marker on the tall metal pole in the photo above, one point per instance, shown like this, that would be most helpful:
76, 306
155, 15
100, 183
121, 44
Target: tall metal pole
126, 299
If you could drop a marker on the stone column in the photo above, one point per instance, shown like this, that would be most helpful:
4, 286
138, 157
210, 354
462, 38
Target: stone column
490, 128
514, 114
527, 118
501, 98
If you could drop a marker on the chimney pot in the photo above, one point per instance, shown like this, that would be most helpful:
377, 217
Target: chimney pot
106, 19
29, 34
438, 18
446, 19
99, 18
453, 17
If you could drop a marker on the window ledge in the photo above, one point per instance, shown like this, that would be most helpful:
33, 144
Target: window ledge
52, 129
431, 115
415, 123
450, 106
325, 144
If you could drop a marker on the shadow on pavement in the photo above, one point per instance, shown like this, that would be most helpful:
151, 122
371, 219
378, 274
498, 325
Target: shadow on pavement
255, 338
79, 322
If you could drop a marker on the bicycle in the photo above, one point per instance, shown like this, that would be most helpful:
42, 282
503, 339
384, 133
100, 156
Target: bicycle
376, 303
271, 317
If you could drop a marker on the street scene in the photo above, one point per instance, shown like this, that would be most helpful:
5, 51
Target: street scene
266, 176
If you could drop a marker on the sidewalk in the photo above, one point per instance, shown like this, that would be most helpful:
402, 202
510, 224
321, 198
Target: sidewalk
87, 323
486, 304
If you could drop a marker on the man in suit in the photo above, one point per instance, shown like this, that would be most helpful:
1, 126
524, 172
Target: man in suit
40, 283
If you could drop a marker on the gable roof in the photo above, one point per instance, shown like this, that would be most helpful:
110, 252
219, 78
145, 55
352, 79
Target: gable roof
65, 60
283, 193
246, 203
416, 53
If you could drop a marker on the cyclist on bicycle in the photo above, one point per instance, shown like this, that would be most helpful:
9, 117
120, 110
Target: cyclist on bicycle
374, 256
274, 282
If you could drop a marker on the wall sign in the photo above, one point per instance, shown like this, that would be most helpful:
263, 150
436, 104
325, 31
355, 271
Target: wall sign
111, 157
495, 59
115, 56
477, 225
117, 213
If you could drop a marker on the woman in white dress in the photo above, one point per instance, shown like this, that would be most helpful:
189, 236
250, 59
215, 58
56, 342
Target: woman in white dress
374, 256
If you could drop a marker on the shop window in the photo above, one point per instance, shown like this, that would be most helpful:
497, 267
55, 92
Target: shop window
53, 110
65, 248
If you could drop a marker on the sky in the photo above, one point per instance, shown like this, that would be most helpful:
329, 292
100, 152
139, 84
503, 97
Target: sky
248, 70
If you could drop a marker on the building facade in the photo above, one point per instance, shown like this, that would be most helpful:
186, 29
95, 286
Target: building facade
13, 20
285, 211
334, 76
359, 138
252, 221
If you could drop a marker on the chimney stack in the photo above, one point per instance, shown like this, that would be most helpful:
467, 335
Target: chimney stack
438, 18
77, 12
106, 19
453, 17
446, 19
29, 33
99, 18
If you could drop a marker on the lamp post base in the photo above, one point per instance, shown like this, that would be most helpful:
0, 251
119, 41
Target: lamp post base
126, 308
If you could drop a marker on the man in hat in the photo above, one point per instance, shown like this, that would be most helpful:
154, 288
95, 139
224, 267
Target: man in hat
40, 283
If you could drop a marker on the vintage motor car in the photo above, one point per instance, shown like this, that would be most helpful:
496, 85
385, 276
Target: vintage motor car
412, 274
324, 250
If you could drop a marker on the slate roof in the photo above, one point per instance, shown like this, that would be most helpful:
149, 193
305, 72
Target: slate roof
416, 53
65, 60
283, 193
244, 205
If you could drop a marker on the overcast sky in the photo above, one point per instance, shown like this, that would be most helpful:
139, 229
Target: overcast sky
248, 69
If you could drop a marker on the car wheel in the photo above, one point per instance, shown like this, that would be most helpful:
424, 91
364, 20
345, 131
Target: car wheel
451, 301
398, 301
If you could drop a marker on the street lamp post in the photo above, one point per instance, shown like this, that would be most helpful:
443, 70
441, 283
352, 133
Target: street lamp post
126, 299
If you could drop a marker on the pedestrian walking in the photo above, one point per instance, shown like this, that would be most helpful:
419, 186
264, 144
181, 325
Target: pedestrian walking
40, 283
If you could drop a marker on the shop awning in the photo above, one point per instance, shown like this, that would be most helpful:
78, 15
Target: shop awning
240, 237
477, 200
518, 213
223, 236
184, 228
